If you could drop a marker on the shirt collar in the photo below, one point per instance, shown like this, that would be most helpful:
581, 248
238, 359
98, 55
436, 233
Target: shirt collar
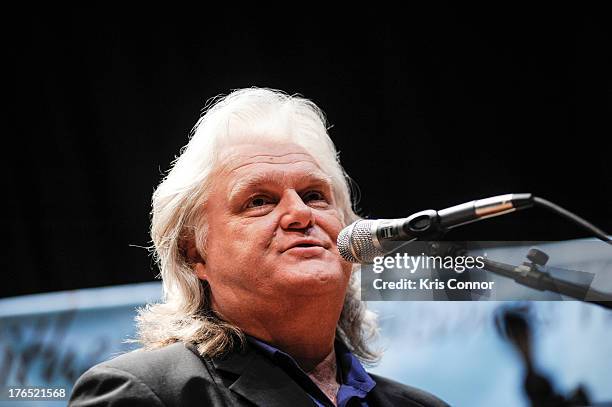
352, 372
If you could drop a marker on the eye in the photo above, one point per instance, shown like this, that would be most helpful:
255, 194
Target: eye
259, 201
314, 196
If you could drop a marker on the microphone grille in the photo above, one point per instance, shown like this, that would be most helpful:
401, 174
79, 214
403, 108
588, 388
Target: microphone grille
344, 244
355, 242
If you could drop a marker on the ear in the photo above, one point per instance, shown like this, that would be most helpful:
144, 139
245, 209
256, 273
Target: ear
201, 271
197, 262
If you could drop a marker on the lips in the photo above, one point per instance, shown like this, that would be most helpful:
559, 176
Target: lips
306, 243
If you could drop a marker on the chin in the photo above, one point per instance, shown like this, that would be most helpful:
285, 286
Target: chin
308, 275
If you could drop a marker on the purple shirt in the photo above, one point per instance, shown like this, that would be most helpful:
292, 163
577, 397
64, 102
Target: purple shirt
355, 382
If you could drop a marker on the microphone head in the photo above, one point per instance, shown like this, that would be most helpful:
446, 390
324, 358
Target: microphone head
356, 242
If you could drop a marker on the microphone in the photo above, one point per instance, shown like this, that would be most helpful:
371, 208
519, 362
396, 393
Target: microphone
365, 239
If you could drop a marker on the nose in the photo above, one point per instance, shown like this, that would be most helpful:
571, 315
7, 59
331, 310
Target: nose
296, 214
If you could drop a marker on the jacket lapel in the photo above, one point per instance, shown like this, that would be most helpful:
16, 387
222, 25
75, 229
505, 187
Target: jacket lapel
261, 382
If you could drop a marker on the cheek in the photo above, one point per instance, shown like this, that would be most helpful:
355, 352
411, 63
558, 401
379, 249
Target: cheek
234, 252
330, 222
347, 268
241, 241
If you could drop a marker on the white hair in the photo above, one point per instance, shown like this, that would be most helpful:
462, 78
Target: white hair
245, 115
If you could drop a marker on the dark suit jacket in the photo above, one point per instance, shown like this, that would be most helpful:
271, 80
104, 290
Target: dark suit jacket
177, 376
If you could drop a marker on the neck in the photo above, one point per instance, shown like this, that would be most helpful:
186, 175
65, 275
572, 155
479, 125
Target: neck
310, 352
324, 375
304, 328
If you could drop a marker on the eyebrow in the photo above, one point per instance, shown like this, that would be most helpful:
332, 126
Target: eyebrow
247, 184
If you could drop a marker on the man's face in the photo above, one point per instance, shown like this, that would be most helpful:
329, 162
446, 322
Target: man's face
272, 228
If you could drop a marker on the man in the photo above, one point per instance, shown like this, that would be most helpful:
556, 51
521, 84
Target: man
259, 308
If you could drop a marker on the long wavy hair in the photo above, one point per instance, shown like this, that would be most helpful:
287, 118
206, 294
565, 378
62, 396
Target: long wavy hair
245, 115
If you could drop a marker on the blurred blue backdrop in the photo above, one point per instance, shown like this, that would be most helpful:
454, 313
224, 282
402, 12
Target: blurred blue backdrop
451, 349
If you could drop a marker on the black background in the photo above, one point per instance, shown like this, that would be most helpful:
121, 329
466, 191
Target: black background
429, 107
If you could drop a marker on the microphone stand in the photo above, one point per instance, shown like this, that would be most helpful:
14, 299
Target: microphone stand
533, 274
428, 226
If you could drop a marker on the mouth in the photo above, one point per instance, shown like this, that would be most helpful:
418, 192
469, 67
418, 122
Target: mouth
307, 245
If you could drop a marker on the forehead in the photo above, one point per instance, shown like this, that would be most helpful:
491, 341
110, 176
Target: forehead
245, 157
250, 165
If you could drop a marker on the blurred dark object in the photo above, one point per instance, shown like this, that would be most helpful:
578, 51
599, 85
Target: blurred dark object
514, 325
